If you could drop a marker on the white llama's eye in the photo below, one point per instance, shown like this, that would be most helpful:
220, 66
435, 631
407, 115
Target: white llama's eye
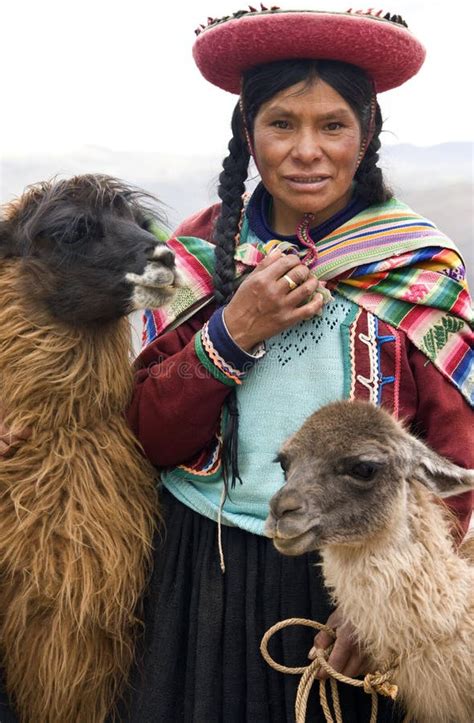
283, 461
365, 471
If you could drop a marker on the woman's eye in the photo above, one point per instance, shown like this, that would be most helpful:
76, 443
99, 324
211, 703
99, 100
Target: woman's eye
281, 124
334, 126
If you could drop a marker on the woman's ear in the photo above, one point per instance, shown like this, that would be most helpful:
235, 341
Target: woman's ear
438, 474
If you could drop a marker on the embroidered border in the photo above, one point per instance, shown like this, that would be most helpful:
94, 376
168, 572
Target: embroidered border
205, 466
397, 372
227, 369
371, 382
374, 375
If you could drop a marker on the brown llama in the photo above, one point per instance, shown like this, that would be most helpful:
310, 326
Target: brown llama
77, 500
362, 490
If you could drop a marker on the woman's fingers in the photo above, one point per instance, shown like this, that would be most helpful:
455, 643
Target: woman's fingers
303, 291
358, 664
346, 656
307, 308
290, 278
276, 264
287, 275
294, 278
279, 293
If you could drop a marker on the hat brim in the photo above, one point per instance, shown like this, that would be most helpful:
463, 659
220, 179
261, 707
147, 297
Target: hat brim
388, 52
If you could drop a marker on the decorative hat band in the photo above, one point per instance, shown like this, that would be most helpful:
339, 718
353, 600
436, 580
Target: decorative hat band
380, 44
274, 8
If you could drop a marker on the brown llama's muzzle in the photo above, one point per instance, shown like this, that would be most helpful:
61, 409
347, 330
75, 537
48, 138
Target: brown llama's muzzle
158, 282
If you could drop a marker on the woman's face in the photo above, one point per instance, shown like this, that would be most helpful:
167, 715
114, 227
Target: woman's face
306, 144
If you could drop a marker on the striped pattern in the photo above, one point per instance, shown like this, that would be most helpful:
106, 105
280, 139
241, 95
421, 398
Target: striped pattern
213, 369
373, 237
227, 369
412, 277
195, 261
207, 464
387, 259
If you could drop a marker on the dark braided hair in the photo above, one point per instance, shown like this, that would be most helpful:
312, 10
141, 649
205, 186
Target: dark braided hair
259, 85
231, 189
369, 180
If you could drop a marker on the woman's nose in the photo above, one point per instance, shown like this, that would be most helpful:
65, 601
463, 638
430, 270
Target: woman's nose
307, 146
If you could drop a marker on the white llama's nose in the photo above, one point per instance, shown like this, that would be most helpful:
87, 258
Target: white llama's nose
287, 502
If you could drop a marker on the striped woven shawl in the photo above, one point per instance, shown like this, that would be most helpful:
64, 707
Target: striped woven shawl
387, 259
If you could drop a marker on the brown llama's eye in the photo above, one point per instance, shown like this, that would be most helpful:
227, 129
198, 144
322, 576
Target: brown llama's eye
83, 229
364, 471
146, 223
79, 230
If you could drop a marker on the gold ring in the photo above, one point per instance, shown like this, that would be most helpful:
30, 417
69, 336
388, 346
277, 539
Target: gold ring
292, 284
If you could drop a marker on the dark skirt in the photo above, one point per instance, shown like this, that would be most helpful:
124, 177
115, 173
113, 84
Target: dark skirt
200, 658
7, 714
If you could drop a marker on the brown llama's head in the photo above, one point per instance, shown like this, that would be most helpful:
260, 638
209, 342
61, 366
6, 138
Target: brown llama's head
85, 249
348, 471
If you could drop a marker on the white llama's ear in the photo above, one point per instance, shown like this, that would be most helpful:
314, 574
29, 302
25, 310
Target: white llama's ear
437, 473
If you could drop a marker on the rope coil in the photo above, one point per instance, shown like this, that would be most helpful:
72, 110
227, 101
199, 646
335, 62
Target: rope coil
372, 684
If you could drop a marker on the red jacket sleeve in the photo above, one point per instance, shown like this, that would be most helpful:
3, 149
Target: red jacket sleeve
201, 224
176, 404
444, 419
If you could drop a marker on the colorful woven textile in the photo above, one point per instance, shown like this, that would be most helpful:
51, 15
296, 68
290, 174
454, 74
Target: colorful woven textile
387, 259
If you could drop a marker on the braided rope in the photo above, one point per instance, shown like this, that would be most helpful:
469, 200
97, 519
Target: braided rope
372, 684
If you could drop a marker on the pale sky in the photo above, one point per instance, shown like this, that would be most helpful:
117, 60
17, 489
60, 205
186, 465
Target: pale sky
119, 74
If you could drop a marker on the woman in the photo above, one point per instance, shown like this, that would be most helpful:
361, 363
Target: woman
254, 345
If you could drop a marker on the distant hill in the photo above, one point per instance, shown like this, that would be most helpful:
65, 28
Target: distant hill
437, 181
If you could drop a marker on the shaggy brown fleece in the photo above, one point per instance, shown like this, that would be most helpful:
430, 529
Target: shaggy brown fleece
77, 511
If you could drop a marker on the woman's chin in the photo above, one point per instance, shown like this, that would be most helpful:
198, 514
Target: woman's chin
300, 201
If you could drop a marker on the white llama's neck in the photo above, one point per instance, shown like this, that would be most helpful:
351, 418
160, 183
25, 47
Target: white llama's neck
410, 575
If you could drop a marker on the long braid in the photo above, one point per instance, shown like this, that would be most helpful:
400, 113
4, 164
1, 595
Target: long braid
369, 180
230, 190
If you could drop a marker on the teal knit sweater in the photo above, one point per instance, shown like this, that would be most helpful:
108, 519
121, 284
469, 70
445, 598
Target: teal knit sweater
303, 369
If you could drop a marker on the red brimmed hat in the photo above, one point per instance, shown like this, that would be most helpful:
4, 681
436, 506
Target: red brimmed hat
380, 44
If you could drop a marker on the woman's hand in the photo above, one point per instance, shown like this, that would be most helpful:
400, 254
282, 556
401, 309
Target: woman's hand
265, 304
10, 440
346, 656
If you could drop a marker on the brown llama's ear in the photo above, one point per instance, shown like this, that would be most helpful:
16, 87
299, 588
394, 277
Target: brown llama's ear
438, 474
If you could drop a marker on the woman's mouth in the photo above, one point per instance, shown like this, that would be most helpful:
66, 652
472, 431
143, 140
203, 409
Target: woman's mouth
307, 183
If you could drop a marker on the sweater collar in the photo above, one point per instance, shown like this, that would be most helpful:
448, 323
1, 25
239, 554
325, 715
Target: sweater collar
258, 214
